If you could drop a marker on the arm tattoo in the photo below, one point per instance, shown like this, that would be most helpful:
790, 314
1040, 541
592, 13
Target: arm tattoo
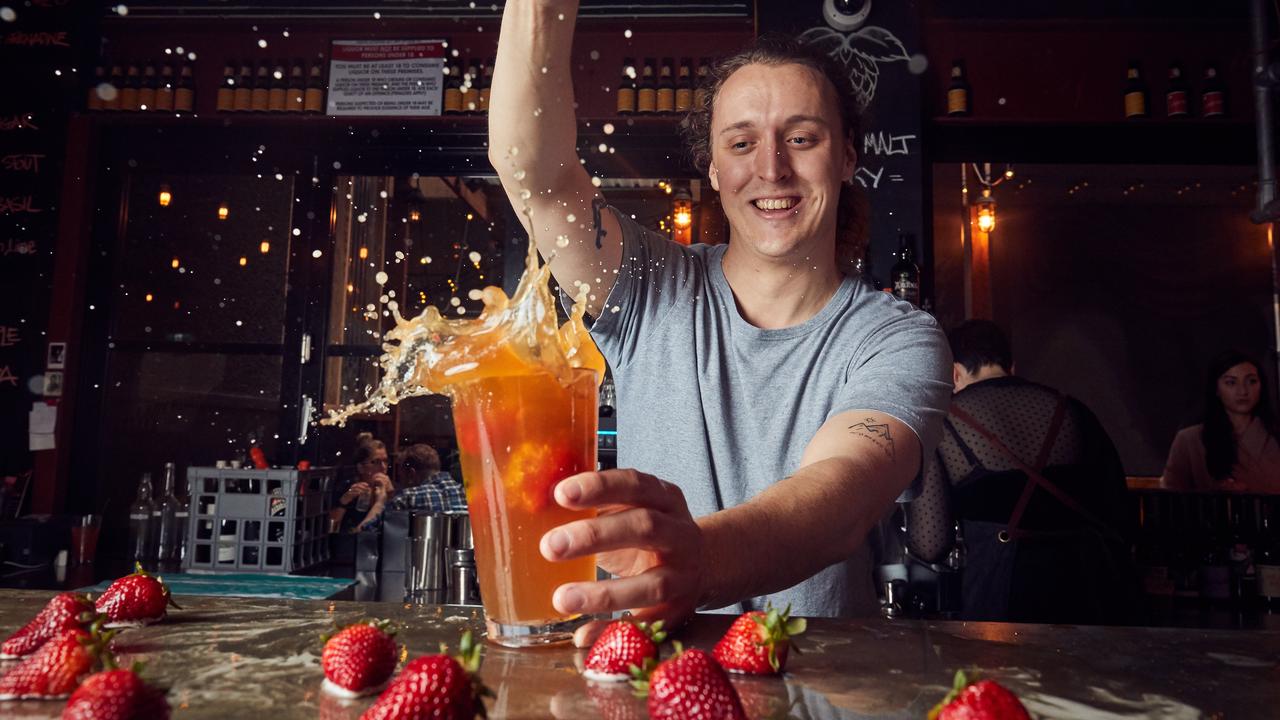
597, 203
877, 433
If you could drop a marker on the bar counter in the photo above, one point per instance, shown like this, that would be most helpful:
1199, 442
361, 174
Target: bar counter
254, 658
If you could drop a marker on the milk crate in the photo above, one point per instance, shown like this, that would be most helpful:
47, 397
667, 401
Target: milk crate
268, 521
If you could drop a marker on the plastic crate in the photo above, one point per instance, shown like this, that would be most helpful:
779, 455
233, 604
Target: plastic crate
268, 521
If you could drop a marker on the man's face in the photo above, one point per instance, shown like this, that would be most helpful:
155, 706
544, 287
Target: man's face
778, 159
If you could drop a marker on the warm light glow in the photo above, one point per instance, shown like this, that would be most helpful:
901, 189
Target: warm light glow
986, 212
149, 297
351, 288
166, 197
364, 253
681, 216
265, 247
175, 264
414, 216
223, 211
470, 217
244, 261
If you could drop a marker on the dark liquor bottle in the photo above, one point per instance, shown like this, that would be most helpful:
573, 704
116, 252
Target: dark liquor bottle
453, 90
666, 98
701, 83
129, 95
313, 98
1176, 94
93, 100
279, 89
684, 87
184, 97
1213, 96
297, 87
1268, 559
260, 99
147, 88
486, 84
243, 97
114, 99
905, 274
165, 89
1135, 93
647, 94
627, 87
958, 91
226, 90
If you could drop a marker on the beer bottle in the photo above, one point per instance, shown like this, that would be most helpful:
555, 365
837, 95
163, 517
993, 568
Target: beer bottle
260, 99
471, 89
666, 99
243, 96
453, 89
905, 274
94, 100
958, 91
700, 87
165, 89
147, 88
684, 87
486, 84
297, 87
1175, 96
184, 96
1213, 96
129, 96
116, 99
276, 92
1135, 93
627, 87
226, 91
647, 94
313, 98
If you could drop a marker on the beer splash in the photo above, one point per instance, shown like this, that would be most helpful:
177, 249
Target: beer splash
431, 354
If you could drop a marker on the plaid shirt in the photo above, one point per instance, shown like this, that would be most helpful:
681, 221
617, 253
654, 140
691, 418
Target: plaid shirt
440, 493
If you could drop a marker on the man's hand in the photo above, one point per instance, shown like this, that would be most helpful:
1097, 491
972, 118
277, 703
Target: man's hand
643, 533
357, 490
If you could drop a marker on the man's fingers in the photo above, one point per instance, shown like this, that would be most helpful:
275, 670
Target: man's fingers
656, 586
618, 487
640, 528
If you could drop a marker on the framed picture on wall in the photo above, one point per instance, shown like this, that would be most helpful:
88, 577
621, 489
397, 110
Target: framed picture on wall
57, 356
53, 383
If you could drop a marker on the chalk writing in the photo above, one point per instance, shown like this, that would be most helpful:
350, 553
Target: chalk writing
18, 204
868, 178
37, 39
9, 336
7, 376
881, 143
17, 247
16, 122
25, 162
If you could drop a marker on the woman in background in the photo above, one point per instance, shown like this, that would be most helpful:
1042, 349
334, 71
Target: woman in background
1236, 446
362, 501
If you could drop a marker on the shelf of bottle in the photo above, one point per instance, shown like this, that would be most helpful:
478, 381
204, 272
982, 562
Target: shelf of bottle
1192, 141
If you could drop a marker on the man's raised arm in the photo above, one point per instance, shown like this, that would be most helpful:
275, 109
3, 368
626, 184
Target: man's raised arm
532, 144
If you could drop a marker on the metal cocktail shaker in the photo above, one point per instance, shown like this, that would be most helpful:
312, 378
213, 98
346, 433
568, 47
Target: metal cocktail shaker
464, 587
426, 570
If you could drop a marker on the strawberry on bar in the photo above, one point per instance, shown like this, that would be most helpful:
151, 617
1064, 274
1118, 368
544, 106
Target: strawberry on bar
55, 669
623, 644
440, 687
757, 643
981, 700
359, 659
135, 600
691, 685
63, 612
116, 694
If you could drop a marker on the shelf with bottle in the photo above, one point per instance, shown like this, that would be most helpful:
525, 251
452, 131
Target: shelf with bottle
269, 86
138, 87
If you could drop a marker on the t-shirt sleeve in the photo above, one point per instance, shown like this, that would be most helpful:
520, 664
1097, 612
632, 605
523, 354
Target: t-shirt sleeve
903, 369
654, 275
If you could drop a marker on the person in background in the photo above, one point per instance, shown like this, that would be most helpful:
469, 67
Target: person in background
362, 501
1236, 447
1038, 490
423, 485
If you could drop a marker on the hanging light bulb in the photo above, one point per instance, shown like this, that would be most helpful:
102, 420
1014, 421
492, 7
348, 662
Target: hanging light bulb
265, 247
681, 216
223, 211
166, 197
986, 211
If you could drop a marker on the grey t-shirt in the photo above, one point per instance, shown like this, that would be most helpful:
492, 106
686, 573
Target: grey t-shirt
725, 409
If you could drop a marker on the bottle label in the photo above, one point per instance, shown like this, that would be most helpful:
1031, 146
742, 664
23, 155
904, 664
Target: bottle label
684, 99
138, 516
957, 101
646, 100
1269, 581
626, 100
452, 100
293, 102
225, 101
1135, 104
314, 101
184, 99
1176, 103
1212, 103
666, 99
275, 99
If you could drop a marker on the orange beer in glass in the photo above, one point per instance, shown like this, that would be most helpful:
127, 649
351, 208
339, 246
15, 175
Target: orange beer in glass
518, 436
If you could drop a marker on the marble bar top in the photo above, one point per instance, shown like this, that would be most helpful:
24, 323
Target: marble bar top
260, 658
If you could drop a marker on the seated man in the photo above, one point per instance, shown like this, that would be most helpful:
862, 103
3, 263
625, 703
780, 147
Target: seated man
423, 485
1039, 492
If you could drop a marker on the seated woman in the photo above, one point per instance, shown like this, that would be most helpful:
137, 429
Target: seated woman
1236, 447
362, 502
424, 486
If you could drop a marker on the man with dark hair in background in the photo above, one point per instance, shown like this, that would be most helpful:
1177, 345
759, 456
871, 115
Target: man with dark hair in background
1038, 491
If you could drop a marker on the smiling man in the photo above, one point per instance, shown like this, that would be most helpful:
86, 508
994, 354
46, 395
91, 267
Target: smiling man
770, 406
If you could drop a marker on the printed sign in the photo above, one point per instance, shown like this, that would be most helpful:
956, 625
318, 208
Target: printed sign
386, 77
